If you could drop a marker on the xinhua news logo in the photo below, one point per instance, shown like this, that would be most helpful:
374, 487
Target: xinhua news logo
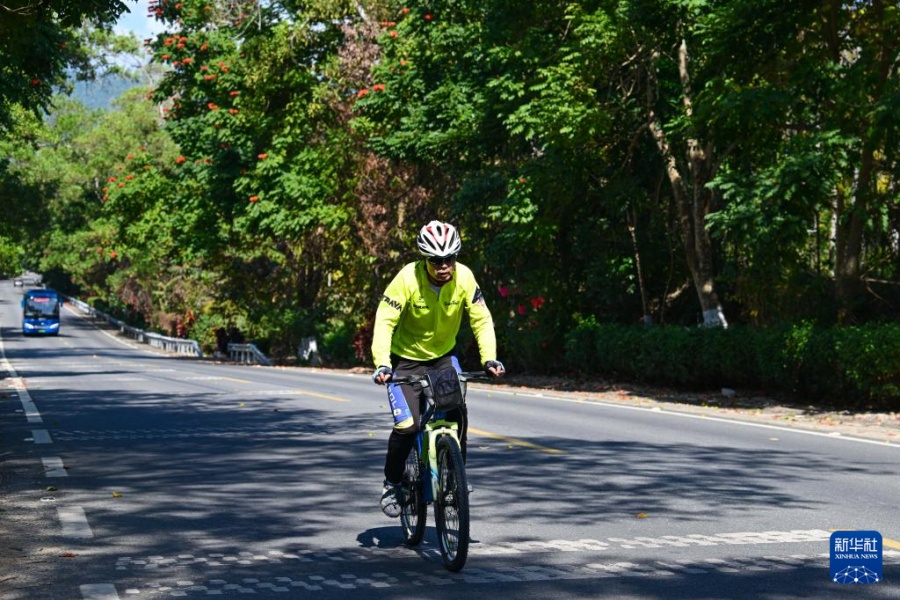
856, 557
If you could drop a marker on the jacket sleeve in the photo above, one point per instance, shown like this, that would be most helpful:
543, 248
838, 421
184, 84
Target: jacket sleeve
390, 307
482, 326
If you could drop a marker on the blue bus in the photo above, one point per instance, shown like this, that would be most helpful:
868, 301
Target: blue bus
40, 312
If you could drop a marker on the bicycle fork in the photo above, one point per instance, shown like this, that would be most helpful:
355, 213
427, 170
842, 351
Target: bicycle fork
433, 432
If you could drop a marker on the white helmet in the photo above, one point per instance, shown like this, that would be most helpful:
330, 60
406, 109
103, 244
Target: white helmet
438, 239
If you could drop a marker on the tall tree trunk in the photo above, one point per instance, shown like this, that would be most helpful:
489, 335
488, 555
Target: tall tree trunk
854, 205
692, 203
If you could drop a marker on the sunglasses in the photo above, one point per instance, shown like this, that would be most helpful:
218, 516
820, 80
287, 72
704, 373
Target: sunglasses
442, 260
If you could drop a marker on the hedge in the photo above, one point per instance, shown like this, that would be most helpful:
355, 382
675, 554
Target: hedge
847, 366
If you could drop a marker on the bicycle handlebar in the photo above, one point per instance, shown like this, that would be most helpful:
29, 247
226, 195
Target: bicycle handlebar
463, 376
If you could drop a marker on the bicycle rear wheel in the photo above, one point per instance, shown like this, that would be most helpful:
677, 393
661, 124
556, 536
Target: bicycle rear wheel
413, 512
451, 507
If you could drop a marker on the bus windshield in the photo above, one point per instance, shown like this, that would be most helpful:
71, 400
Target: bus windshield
41, 307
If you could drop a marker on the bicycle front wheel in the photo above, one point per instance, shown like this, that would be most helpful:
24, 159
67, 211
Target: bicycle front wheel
413, 513
451, 507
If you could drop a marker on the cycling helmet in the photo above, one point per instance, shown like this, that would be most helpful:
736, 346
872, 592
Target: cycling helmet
438, 239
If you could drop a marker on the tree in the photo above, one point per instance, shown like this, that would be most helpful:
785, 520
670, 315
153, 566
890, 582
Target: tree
41, 41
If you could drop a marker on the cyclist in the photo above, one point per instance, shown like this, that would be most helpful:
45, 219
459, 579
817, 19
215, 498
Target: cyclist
415, 330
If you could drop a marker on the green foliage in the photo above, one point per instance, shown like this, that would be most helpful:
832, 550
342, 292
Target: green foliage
43, 43
274, 179
11, 255
335, 342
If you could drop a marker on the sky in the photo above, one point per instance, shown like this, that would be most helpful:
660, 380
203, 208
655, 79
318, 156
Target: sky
137, 20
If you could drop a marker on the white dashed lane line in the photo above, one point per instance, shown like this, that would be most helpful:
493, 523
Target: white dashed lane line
54, 467
74, 522
99, 591
41, 436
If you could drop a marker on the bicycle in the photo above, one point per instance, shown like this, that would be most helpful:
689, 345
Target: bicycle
435, 474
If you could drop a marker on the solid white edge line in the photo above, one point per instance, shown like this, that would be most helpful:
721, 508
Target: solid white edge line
663, 411
123, 341
675, 413
31, 411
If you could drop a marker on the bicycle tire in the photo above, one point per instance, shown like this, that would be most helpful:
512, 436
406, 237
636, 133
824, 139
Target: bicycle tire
413, 512
451, 507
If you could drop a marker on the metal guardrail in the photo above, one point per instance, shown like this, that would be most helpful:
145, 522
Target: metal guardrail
169, 344
242, 353
247, 354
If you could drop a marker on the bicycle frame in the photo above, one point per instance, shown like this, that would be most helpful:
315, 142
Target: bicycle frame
427, 442
436, 475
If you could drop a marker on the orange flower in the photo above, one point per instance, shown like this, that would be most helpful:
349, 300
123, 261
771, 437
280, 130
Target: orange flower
362, 93
378, 87
35, 81
111, 180
428, 17
213, 106
262, 156
254, 198
180, 160
187, 61
233, 93
393, 34
233, 111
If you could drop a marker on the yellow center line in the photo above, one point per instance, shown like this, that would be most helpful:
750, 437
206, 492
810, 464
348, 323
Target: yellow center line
515, 441
326, 396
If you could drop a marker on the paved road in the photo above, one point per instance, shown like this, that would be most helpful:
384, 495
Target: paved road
132, 474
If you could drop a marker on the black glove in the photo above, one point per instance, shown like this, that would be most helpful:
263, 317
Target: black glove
494, 364
382, 370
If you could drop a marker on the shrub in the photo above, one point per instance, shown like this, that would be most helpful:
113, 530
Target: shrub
852, 366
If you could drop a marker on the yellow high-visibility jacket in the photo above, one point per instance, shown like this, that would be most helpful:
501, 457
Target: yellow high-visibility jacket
418, 323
